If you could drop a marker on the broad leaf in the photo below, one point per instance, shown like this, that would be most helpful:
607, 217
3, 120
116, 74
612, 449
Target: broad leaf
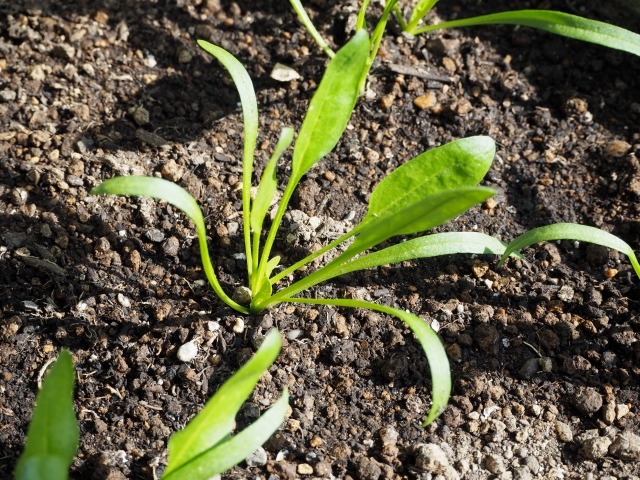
431, 344
52, 439
420, 215
560, 23
571, 231
331, 105
214, 424
462, 163
177, 196
249, 104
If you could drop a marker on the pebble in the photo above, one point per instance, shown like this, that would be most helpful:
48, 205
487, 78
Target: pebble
596, 447
486, 337
172, 171
431, 458
184, 56
617, 148
563, 431
388, 436
141, 116
587, 401
187, 351
283, 73
621, 410
242, 295
257, 458
529, 368
626, 447
171, 246
238, 327
495, 464
154, 235
305, 469
423, 102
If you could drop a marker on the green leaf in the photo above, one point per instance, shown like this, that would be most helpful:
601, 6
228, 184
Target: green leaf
420, 215
52, 439
311, 28
422, 8
232, 451
247, 94
560, 23
571, 231
268, 182
431, 344
264, 287
437, 244
462, 163
177, 196
211, 428
331, 105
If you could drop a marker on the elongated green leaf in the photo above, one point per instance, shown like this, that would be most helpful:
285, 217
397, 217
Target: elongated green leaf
213, 425
571, 231
431, 344
423, 214
52, 439
311, 28
331, 105
177, 196
560, 23
232, 451
462, 163
268, 182
247, 94
264, 287
437, 244
419, 12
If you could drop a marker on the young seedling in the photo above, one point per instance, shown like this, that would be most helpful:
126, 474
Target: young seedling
420, 195
559, 23
204, 448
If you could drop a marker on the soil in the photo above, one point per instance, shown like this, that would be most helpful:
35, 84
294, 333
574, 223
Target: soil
90, 90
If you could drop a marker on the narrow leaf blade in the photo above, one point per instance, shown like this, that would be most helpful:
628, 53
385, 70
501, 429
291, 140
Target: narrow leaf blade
52, 439
462, 163
268, 182
571, 231
331, 105
216, 420
232, 451
560, 23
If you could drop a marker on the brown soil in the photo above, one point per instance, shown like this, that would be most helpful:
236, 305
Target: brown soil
118, 281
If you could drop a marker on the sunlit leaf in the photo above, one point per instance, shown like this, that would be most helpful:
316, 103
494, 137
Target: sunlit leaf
571, 231
52, 439
560, 23
212, 427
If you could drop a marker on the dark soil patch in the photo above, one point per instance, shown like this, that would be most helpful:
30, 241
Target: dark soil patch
118, 282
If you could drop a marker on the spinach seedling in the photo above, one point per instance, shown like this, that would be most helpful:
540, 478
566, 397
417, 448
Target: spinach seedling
204, 448
559, 23
423, 193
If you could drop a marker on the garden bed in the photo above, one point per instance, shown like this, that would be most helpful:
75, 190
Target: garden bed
99, 89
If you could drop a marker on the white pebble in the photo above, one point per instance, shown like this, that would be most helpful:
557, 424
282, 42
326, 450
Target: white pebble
238, 327
282, 73
188, 351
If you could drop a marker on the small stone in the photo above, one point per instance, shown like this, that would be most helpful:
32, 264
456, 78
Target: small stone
587, 401
154, 235
529, 368
304, 469
187, 351
316, 441
171, 246
257, 458
282, 73
626, 447
7, 95
431, 458
596, 447
449, 64
621, 410
480, 268
563, 431
546, 364
617, 148
565, 293
184, 56
388, 436
423, 102
124, 301
238, 327
485, 337
141, 116
172, 171
609, 413
242, 295
495, 464
387, 101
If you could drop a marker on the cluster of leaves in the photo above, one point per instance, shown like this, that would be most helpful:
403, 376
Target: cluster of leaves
425, 192
204, 448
